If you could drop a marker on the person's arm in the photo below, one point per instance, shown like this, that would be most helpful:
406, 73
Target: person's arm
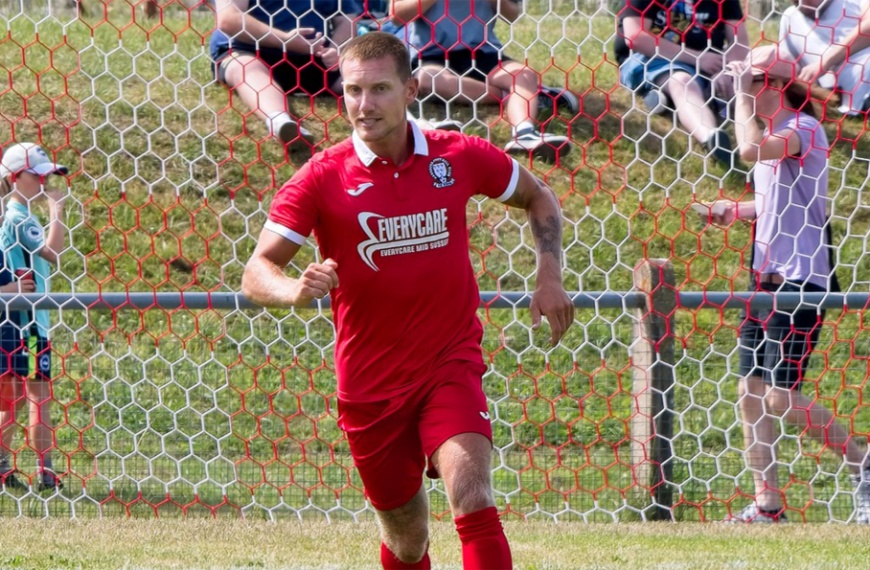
837, 53
510, 10
404, 11
265, 283
233, 20
55, 239
639, 39
856, 41
724, 212
545, 218
738, 40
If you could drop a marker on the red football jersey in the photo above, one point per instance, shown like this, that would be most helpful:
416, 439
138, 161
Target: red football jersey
407, 296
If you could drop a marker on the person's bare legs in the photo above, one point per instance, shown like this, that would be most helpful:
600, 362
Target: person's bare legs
464, 462
251, 79
405, 530
41, 427
759, 437
521, 85
818, 423
10, 397
692, 109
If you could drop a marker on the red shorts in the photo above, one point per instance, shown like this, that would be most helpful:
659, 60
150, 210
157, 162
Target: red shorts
392, 441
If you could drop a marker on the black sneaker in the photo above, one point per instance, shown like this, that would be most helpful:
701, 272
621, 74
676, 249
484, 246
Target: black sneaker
545, 146
49, 481
8, 480
561, 97
720, 148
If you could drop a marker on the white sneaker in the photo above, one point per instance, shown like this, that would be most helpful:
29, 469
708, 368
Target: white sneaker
862, 496
751, 514
295, 136
545, 146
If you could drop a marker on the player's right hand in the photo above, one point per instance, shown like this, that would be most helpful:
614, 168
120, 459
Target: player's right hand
316, 282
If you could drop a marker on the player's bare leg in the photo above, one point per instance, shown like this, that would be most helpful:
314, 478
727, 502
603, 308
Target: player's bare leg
464, 463
405, 534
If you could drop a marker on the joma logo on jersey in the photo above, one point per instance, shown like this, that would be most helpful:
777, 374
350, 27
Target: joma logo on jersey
399, 235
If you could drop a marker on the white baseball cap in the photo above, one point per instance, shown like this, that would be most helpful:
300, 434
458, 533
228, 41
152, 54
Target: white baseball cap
28, 157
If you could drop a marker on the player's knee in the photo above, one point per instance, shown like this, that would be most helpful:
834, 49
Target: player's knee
526, 81
472, 494
409, 552
407, 541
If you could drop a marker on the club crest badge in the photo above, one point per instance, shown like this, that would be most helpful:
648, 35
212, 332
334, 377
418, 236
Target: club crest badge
441, 172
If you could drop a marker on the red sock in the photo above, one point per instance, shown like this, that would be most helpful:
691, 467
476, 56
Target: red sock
484, 545
390, 562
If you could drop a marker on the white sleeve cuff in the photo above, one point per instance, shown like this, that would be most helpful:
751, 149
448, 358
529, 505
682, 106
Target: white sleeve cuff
285, 232
512, 184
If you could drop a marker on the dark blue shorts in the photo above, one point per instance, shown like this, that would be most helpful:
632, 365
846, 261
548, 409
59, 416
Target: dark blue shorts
640, 73
462, 62
27, 357
776, 344
294, 72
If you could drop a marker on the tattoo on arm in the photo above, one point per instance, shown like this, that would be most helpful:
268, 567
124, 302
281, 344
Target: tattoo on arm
548, 233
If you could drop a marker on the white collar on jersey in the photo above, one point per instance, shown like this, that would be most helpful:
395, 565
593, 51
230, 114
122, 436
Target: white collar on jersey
367, 157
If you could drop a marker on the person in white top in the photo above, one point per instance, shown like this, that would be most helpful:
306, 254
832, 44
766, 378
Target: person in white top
776, 130
830, 40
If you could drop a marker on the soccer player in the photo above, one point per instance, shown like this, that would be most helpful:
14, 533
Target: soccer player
777, 130
388, 209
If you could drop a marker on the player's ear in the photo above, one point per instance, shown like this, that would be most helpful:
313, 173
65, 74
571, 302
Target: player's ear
412, 86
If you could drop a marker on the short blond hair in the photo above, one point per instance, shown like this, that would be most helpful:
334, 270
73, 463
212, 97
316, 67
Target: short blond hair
377, 45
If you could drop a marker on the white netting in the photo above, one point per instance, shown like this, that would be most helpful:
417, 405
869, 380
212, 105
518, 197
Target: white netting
181, 411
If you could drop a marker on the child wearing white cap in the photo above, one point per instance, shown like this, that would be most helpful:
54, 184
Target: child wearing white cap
28, 253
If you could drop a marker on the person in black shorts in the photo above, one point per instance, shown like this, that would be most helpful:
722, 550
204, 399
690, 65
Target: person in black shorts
777, 130
264, 50
458, 57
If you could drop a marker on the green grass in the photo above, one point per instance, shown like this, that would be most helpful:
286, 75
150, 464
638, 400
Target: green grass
536, 545
212, 413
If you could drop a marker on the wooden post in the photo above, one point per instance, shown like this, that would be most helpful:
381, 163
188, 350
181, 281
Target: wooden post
652, 358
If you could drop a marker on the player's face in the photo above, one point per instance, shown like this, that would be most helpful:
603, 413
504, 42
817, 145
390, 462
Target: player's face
376, 99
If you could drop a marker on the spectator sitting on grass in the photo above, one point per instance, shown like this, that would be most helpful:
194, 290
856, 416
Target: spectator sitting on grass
670, 49
459, 57
264, 50
830, 39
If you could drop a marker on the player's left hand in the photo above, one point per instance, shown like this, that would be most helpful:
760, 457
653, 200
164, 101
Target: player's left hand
552, 302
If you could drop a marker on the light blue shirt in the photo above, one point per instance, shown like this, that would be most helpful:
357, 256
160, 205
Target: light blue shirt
22, 237
451, 25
